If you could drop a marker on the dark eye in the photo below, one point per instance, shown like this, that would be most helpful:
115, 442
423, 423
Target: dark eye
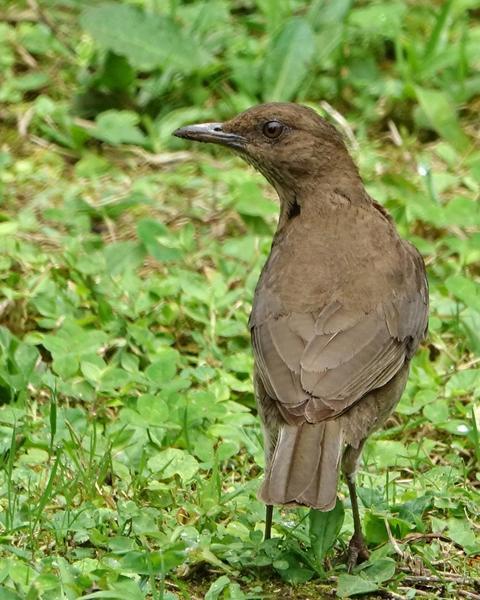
272, 129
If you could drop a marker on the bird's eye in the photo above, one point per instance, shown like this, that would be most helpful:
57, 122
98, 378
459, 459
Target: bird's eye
272, 129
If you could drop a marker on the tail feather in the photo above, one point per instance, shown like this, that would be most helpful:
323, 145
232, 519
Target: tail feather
305, 465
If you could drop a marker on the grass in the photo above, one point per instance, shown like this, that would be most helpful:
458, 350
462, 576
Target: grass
131, 451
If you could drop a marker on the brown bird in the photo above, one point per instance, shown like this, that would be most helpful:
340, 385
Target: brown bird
339, 310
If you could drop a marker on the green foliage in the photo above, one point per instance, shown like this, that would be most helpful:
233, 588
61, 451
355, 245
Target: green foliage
129, 443
147, 41
441, 116
288, 60
324, 529
372, 575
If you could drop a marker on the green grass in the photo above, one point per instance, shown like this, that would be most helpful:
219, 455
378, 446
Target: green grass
130, 448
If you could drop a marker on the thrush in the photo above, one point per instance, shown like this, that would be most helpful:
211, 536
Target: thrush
339, 310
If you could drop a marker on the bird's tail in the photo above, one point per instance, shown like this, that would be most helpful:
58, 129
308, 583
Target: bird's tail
305, 465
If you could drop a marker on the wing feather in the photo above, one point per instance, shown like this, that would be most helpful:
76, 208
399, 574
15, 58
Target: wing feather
317, 365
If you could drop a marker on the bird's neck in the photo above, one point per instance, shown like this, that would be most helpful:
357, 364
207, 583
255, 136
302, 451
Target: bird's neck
320, 198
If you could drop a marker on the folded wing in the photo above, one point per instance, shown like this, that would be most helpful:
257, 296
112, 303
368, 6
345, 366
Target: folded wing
317, 365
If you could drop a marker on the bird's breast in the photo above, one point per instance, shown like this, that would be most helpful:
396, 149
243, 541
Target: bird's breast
312, 264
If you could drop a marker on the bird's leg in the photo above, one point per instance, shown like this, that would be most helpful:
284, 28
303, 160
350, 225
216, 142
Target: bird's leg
268, 521
357, 549
270, 417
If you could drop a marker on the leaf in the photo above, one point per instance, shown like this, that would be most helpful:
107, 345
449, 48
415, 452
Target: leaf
374, 529
463, 383
117, 73
34, 456
471, 323
158, 240
30, 81
153, 409
70, 344
372, 498
324, 529
6, 594
288, 60
351, 585
290, 567
229, 328
123, 256
465, 290
383, 18
413, 509
381, 570
173, 462
146, 563
92, 165
113, 379
324, 13
93, 372
147, 40
217, 587
442, 116
120, 590
118, 127
437, 412
388, 453
462, 533
164, 367
439, 36
252, 201
26, 358
463, 212
8, 227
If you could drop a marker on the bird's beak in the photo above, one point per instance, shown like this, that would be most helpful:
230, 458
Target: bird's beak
211, 132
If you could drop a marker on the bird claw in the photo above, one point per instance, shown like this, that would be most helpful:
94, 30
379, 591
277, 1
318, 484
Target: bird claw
357, 552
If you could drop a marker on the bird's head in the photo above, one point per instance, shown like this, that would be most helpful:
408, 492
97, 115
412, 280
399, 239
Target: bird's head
290, 144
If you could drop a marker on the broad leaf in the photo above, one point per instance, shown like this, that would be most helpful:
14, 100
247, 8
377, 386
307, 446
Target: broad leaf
466, 290
147, 40
442, 116
463, 383
158, 240
381, 18
217, 587
173, 462
164, 367
118, 127
380, 570
463, 533
324, 529
288, 60
351, 585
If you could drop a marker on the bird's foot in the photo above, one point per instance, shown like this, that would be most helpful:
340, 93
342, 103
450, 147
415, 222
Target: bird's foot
357, 552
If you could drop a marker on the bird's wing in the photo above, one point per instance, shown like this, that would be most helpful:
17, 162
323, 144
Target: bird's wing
317, 365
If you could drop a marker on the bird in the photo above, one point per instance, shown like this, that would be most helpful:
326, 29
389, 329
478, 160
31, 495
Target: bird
339, 310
